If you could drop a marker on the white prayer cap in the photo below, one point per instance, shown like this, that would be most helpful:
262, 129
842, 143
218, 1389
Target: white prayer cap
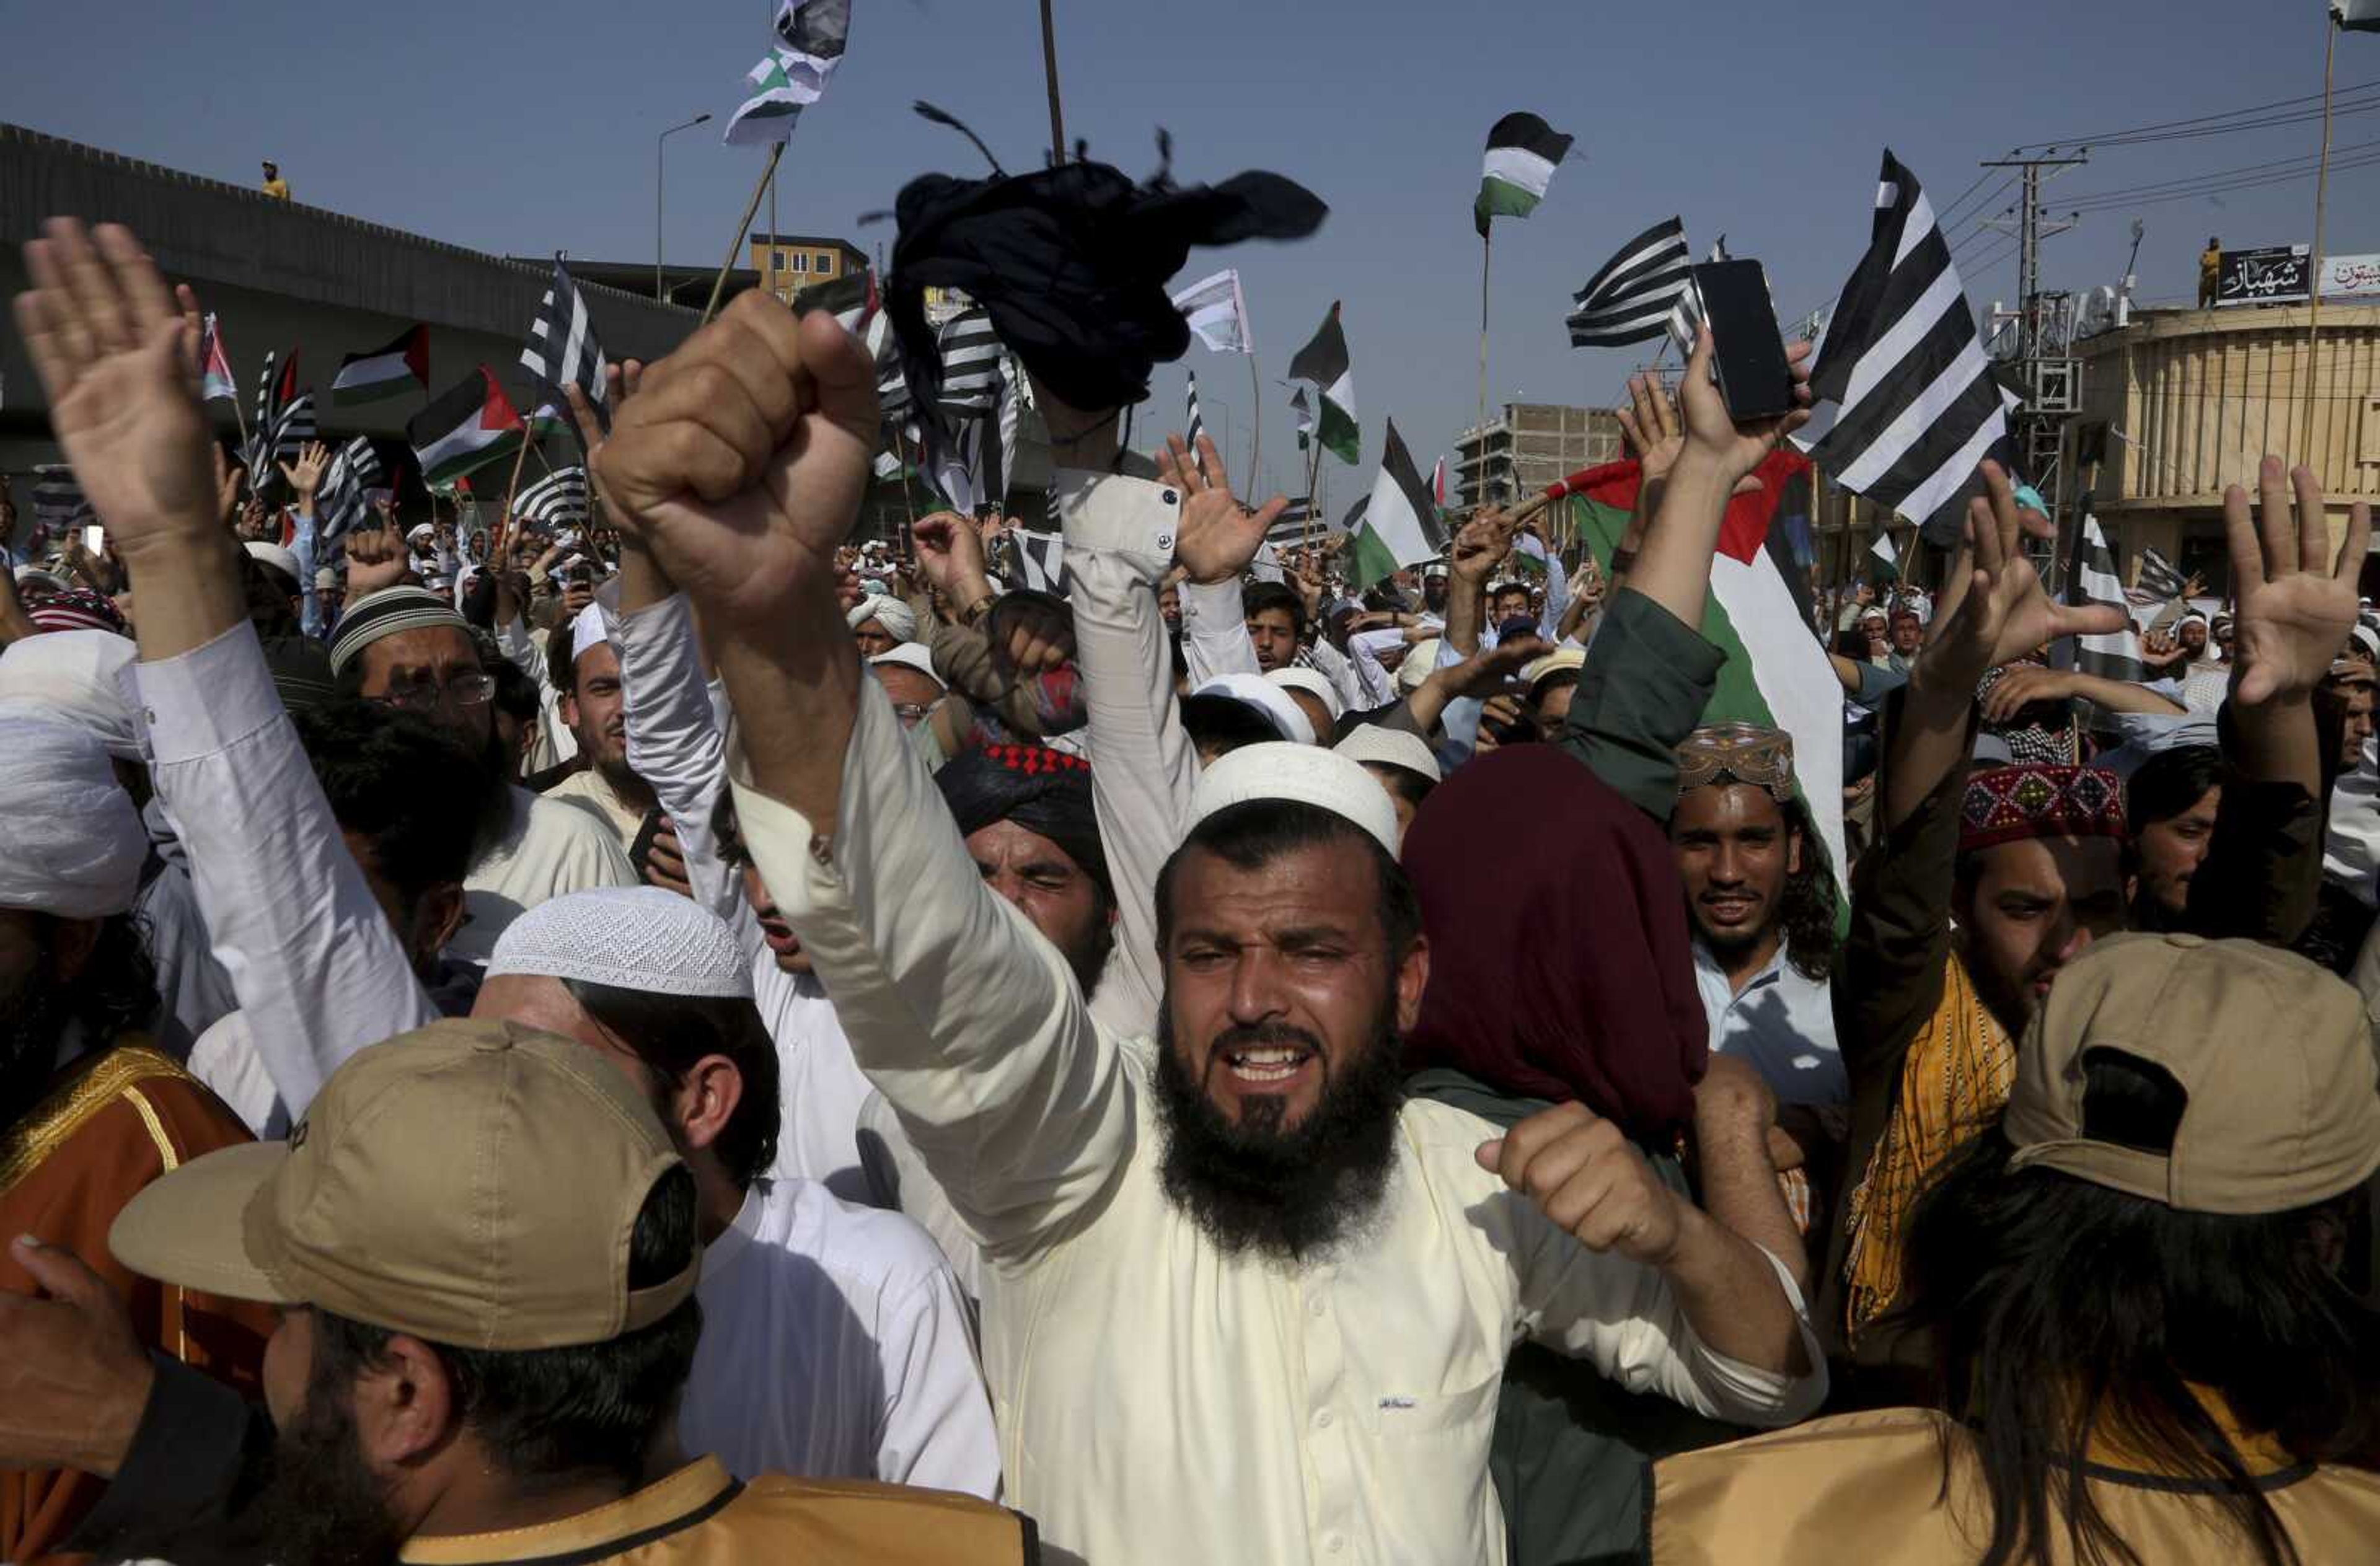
420, 531
280, 559
1314, 684
1255, 690
629, 938
587, 631
913, 655
1384, 746
325, 579
897, 618
1434, 570
75, 842
1301, 772
75, 677
1421, 662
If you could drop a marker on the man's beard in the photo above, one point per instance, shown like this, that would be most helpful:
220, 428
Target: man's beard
323, 1505
632, 790
32, 1022
1284, 1194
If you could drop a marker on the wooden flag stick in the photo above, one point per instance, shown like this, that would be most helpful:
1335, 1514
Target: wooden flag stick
1485, 250
719, 284
504, 520
1254, 481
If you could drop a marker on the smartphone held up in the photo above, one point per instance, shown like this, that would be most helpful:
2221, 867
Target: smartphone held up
1748, 361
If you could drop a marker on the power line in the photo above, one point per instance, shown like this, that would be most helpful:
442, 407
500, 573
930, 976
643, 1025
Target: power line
2307, 163
2111, 137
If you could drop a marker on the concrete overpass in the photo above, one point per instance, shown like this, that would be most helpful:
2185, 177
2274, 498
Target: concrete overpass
281, 275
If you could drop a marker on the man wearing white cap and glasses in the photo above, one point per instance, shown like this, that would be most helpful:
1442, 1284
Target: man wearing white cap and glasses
1321, 1280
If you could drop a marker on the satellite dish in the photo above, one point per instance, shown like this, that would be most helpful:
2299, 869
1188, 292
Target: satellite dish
2097, 312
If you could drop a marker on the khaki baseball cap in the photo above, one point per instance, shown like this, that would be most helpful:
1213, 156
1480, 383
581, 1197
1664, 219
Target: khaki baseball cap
2275, 1054
473, 1183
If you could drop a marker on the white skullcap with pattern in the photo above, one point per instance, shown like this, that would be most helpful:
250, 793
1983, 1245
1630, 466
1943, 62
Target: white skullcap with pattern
629, 938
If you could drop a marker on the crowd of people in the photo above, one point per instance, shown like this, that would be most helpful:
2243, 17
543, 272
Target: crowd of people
705, 1039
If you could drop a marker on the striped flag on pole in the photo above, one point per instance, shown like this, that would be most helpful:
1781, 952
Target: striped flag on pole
1198, 425
558, 500
969, 349
2160, 577
347, 489
1634, 297
2114, 655
59, 504
1686, 320
562, 350
1905, 399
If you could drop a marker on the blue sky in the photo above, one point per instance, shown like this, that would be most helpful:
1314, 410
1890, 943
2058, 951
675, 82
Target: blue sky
509, 127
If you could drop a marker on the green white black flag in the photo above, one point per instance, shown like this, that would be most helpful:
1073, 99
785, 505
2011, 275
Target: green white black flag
1522, 153
2356, 16
1400, 526
1324, 362
810, 38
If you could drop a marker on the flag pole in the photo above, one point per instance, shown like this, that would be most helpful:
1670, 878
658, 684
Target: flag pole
504, 520
719, 284
1255, 427
1486, 246
2314, 283
1050, 70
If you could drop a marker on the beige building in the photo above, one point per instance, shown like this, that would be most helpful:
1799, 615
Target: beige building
790, 262
1527, 446
2189, 401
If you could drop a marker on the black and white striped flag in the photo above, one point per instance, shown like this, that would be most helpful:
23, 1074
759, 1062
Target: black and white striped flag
296, 428
259, 455
2113, 655
969, 350
562, 350
1906, 406
558, 500
1198, 424
1686, 320
2159, 579
346, 495
1041, 561
59, 504
1632, 299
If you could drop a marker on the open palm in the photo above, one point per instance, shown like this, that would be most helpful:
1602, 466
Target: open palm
2297, 600
2003, 611
110, 344
1218, 536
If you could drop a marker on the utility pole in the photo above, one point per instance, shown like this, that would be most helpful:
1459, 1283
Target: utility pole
2046, 362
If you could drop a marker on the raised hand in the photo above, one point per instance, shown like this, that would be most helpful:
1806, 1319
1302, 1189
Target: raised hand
2021, 685
111, 347
229, 477
1480, 544
305, 475
742, 458
2297, 600
1649, 427
1485, 672
950, 552
1218, 536
1584, 1175
1994, 609
1712, 437
377, 558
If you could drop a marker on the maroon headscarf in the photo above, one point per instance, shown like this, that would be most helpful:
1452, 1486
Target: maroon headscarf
1560, 960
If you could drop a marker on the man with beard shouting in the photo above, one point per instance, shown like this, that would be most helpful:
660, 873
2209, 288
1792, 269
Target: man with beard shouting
1241, 1303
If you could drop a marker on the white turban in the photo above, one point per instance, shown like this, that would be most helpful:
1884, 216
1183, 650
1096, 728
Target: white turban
898, 619
74, 843
587, 631
75, 677
628, 938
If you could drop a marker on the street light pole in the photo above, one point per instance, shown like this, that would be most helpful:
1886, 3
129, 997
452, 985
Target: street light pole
658, 141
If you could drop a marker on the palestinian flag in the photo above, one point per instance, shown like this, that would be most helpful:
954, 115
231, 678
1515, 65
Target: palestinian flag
217, 384
1529, 555
1888, 562
384, 372
1522, 153
464, 430
811, 36
1758, 614
1399, 525
1324, 362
